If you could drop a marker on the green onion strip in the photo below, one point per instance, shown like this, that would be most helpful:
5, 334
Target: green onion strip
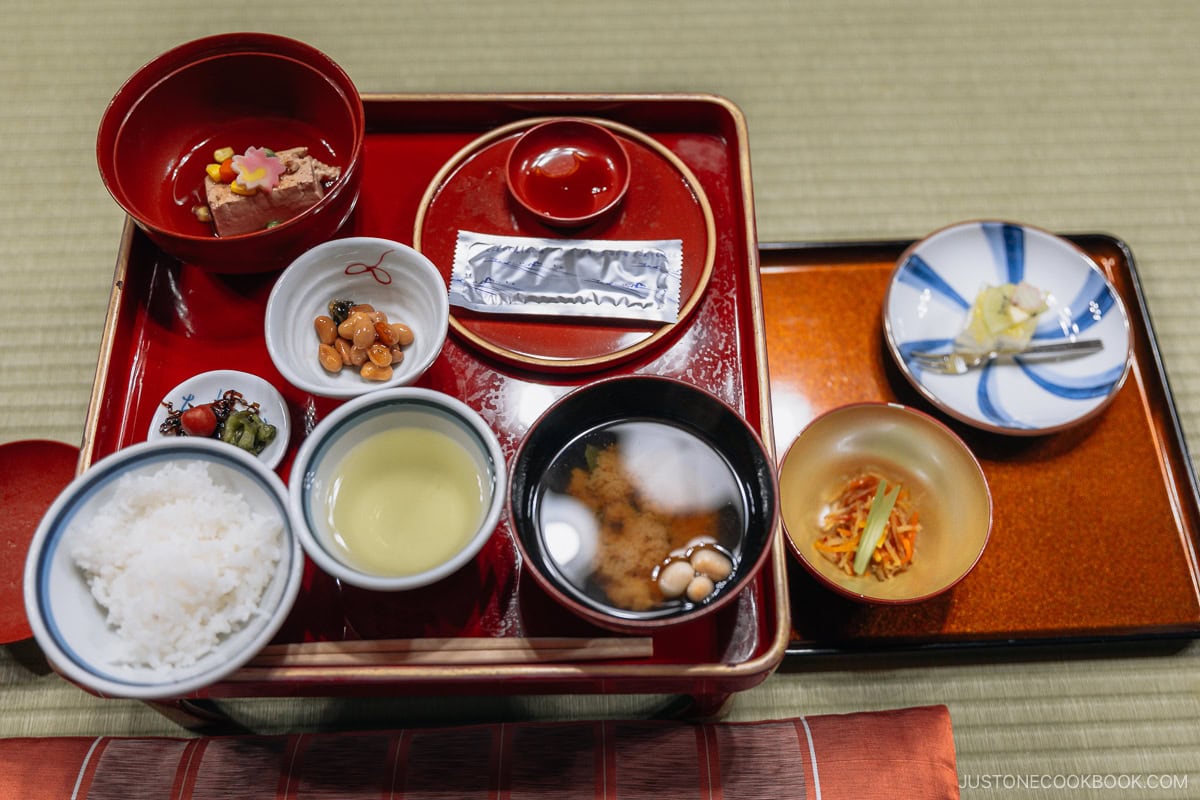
877, 517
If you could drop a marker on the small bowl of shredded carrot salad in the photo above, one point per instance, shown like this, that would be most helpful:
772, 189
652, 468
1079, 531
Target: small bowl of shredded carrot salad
870, 528
883, 503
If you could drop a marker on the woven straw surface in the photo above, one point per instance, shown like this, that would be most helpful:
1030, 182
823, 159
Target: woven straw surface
868, 119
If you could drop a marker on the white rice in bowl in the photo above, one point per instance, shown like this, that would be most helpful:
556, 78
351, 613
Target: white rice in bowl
178, 561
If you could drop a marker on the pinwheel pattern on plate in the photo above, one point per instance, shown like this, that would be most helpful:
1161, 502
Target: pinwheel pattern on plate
932, 291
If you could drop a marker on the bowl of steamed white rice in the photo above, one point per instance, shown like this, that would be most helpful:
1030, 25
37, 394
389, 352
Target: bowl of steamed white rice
162, 569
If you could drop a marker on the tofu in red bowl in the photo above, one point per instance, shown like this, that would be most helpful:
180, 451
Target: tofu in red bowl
235, 152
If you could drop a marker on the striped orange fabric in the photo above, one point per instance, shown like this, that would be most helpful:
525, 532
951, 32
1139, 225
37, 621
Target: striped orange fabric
902, 753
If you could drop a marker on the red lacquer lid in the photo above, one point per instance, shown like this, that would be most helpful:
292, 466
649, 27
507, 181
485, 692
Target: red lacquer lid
32, 474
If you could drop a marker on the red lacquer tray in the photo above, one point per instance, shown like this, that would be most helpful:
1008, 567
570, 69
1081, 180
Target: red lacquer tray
168, 321
1096, 529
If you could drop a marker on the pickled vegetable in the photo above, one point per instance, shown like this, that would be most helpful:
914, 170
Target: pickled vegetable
247, 430
1003, 317
339, 310
230, 418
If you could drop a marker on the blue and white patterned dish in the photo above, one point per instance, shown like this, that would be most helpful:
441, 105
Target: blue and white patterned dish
931, 291
209, 386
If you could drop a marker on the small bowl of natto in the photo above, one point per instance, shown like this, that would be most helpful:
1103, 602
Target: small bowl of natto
397, 489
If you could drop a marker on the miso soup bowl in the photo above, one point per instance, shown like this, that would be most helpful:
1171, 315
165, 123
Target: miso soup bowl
315, 475
946, 485
698, 448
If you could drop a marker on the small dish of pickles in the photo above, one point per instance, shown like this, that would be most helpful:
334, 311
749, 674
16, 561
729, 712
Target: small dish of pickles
235, 407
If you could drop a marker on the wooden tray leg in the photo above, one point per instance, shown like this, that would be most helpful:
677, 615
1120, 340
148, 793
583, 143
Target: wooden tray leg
698, 707
199, 716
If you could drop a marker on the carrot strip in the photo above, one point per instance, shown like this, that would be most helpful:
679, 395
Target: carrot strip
845, 547
843, 527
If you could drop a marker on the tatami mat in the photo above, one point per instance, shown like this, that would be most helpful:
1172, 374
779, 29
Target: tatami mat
868, 119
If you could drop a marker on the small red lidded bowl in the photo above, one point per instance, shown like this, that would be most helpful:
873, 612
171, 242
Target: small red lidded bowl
568, 172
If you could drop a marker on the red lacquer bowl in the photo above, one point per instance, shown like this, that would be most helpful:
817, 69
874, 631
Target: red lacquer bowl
568, 172
231, 90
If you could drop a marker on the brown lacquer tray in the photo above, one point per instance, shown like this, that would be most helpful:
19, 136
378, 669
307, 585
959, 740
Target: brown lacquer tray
168, 321
1096, 529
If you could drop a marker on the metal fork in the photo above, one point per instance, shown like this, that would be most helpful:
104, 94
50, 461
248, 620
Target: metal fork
955, 363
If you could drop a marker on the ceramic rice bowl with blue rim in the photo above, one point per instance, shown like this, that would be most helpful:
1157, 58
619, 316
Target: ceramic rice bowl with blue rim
73, 629
932, 289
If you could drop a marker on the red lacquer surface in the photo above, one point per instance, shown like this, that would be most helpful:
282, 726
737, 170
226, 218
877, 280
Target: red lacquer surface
664, 201
32, 474
169, 321
1095, 529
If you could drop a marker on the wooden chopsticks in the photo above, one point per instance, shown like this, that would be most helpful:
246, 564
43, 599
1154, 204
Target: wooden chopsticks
452, 651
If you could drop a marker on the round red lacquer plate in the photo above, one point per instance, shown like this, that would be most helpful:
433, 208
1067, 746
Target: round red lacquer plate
32, 474
664, 201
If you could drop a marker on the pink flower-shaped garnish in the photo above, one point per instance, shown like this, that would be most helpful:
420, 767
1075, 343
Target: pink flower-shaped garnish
259, 168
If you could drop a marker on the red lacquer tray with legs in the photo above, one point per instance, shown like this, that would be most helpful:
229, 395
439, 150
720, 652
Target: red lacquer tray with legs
168, 321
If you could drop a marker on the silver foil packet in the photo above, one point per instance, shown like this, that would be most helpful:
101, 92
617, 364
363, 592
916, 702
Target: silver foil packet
620, 280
